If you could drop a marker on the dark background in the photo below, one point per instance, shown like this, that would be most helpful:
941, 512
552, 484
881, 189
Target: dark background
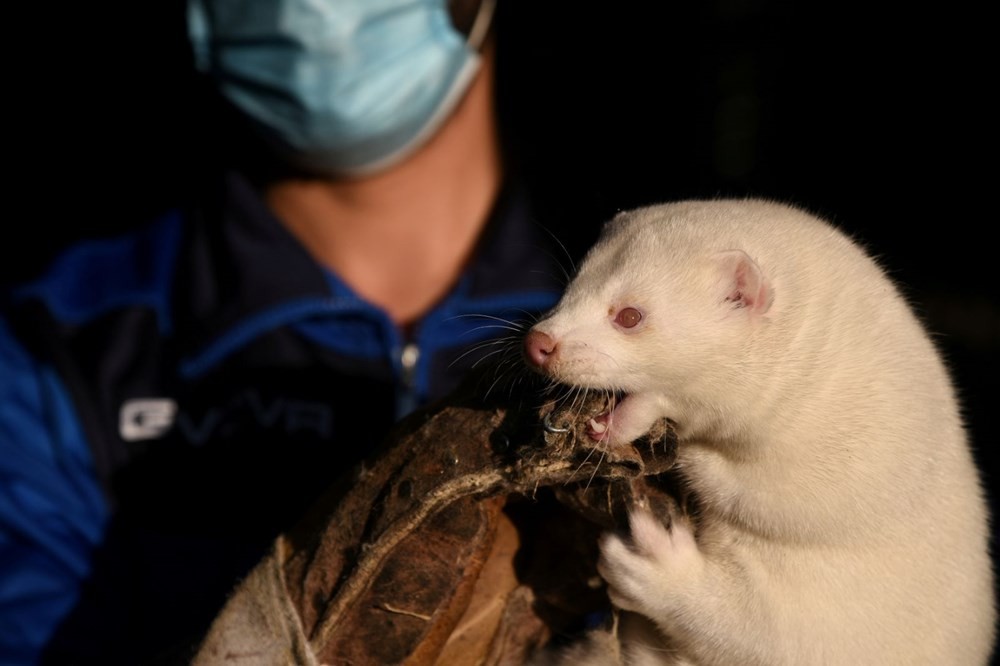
872, 114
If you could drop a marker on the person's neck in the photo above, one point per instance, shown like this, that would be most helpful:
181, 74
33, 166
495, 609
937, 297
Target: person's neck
400, 238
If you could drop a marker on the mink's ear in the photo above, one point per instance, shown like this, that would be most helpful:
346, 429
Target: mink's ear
744, 284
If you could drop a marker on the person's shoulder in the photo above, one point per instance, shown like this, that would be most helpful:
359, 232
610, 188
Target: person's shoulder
91, 277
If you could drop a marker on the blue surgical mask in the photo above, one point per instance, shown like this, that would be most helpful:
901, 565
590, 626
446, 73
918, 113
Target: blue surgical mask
342, 87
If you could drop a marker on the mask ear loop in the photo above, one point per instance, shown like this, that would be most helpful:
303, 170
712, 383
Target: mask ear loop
481, 24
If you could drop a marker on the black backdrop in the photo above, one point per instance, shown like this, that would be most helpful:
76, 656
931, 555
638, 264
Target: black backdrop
874, 114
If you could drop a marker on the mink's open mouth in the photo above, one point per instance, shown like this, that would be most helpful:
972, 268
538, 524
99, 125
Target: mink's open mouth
600, 426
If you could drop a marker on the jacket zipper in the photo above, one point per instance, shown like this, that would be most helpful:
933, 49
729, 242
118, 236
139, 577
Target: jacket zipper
407, 399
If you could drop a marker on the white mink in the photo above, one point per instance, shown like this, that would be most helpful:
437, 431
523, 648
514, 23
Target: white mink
842, 520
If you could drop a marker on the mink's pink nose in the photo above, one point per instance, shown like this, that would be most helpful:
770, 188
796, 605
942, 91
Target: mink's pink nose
538, 348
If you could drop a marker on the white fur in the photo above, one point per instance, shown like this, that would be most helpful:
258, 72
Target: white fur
842, 517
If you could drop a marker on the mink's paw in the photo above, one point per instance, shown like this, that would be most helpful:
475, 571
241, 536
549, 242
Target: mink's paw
649, 570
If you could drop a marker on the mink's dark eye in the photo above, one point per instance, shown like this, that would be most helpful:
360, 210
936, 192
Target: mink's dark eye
628, 317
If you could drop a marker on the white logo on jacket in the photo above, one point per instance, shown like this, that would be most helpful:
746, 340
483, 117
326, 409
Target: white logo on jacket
146, 418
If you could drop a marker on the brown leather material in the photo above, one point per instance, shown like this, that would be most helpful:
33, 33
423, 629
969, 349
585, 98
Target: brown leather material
491, 604
470, 538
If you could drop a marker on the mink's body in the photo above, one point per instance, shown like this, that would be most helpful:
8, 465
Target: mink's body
842, 518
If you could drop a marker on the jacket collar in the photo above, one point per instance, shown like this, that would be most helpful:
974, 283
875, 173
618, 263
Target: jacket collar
238, 261
241, 272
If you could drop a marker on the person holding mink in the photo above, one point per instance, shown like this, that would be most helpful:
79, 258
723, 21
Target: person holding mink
174, 397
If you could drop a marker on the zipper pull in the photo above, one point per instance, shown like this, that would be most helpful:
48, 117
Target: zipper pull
406, 397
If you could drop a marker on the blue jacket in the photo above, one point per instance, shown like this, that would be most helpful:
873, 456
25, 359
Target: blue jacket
171, 399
